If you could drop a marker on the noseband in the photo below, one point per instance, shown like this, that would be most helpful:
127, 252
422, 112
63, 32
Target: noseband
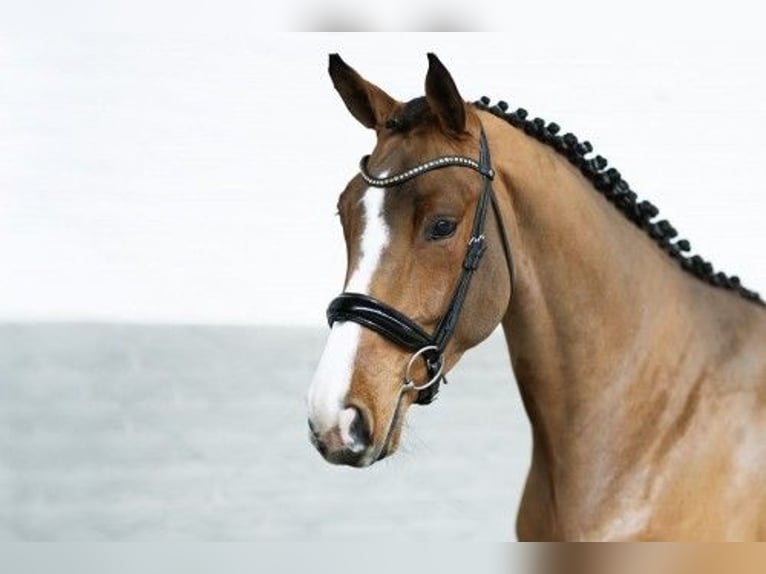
397, 327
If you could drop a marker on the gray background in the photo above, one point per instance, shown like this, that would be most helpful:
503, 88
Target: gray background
199, 433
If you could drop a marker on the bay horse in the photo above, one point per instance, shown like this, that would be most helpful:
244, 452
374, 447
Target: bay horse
642, 370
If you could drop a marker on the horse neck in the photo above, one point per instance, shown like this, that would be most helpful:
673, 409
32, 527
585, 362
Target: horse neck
597, 307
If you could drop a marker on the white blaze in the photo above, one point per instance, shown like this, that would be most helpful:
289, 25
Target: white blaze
332, 377
373, 241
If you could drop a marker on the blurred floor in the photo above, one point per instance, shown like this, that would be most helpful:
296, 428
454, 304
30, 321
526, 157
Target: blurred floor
113, 432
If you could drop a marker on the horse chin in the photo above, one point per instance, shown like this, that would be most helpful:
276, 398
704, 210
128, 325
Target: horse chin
385, 452
390, 444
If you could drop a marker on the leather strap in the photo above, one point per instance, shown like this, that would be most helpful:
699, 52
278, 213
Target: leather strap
376, 315
412, 173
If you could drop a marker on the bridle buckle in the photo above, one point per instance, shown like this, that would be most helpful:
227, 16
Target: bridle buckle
476, 248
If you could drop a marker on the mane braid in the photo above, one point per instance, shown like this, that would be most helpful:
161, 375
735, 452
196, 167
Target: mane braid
610, 184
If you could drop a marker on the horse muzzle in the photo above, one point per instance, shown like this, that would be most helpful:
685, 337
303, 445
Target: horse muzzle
349, 442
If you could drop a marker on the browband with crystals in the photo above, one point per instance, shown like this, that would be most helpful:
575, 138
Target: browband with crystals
411, 173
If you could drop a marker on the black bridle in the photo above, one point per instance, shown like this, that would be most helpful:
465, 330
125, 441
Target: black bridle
397, 327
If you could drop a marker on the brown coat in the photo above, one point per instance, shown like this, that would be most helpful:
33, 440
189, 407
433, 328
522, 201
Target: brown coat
645, 387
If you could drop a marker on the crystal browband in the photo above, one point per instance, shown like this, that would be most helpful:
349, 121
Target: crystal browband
411, 173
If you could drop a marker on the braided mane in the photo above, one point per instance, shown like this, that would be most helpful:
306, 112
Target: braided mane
610, 184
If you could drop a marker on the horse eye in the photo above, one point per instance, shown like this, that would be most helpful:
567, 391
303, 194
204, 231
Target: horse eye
442, 228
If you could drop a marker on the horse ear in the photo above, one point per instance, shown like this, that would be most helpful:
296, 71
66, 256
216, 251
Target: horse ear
366, 101
443, 98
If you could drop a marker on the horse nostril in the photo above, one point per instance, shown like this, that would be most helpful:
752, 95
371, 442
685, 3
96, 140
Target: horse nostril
360, 428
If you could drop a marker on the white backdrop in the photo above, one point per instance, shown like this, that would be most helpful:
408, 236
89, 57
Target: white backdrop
166, 171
